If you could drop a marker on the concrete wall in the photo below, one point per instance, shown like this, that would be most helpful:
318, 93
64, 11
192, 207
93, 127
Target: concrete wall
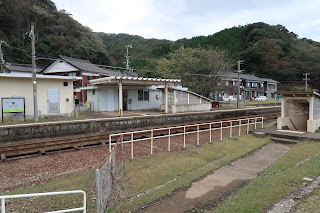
53, 129
299, 121
313, 125
191, 108
23, 87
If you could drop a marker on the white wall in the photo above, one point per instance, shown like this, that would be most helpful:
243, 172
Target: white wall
153, 102
93, 99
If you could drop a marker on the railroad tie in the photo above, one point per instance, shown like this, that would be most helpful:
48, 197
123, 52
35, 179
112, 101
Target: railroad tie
3, 157
42, 152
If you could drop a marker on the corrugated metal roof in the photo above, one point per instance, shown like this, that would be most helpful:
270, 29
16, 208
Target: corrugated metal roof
117, 73
115, 79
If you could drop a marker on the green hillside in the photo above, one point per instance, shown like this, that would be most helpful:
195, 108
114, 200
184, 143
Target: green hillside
268, 51
57, 33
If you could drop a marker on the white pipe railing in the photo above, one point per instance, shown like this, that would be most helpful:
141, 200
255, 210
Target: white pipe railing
229, 124
83, 208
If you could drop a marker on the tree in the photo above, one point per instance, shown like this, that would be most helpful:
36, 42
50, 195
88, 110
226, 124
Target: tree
199, 69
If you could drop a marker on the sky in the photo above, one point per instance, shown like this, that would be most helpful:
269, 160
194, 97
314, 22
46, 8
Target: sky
176, 19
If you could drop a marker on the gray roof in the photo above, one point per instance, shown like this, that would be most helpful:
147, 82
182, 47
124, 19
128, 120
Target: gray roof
81, 64
13, 67
118, 73
249, 77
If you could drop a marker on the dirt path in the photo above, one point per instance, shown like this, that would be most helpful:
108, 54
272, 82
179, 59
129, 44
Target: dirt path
223, 182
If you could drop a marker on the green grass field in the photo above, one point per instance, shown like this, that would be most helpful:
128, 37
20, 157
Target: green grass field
277, 181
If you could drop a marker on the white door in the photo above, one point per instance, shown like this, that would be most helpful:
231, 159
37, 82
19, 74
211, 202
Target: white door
53, 101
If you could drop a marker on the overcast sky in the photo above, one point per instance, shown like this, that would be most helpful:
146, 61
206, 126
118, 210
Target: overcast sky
175, 19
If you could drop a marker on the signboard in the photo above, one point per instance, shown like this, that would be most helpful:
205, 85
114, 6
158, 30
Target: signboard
15, 104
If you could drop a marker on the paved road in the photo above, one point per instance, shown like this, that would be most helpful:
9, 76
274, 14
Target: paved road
223, 182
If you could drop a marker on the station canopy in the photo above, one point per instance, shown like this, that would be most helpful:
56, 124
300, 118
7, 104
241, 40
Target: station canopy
126, 80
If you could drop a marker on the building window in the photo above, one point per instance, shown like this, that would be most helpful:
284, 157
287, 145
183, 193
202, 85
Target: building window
93, 92
89, 78
271, 86
247, 93
65, 84
261, 85
254, 93
248, 84
235, 83
227, 83
254, 84
143, 95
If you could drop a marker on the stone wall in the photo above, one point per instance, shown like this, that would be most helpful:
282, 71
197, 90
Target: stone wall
60, 128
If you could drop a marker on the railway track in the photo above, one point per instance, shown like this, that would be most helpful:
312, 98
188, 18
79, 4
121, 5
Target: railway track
51, 145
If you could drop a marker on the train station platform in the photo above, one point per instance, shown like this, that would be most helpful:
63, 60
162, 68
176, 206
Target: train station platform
110, 124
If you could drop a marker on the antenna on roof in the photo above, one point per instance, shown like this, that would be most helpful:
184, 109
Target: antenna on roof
127, 57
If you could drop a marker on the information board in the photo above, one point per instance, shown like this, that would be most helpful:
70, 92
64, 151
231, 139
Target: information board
15, 104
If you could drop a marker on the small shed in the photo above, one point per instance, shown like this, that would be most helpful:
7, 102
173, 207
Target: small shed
54, 94
300, 111
119, 93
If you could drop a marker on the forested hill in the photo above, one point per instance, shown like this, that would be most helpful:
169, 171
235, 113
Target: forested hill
57, 33
268, 51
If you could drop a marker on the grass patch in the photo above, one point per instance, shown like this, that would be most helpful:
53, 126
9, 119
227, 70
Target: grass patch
186, 165
310, 203
277, 181
81, 181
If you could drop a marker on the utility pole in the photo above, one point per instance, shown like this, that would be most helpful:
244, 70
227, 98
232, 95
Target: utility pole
306, 81
239, 62
127, 57
34, 78
1, 55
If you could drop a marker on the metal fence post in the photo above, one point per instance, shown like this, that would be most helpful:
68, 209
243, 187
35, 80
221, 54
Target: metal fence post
239, 127
230, 129
151, 141
255, 123
248, 125
210, 133
3, 205
169, 140
221, 130
98, 189
122, 143
110, 143
262, 122
184, 137
198, 137
131, 145
113, 162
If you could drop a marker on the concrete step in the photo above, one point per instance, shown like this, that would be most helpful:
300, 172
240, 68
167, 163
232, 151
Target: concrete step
284, 140
287, 136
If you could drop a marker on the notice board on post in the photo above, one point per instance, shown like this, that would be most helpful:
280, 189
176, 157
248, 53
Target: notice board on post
13, 105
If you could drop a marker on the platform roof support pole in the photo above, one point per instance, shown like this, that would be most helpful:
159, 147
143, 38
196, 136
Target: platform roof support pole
166, 97
283, 101
311, 102
120, 99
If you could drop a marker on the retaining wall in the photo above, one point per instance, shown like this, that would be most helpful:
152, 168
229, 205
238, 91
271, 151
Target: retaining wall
60, 128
